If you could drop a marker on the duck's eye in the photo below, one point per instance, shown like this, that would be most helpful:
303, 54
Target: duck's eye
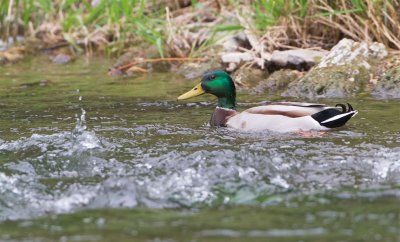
212, 77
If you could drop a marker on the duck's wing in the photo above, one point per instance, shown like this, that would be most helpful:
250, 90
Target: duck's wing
298, 104
289, 109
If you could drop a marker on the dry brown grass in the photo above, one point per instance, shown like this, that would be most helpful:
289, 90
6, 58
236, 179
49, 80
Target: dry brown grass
326, 22
189, 28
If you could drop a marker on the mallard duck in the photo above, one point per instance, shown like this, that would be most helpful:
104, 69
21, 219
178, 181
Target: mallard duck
276, 116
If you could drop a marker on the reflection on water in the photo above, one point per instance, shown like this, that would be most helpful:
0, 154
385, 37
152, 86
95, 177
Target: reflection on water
107, 147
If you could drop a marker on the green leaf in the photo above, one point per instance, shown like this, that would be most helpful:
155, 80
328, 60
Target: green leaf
95, 12
222, 28
159, 45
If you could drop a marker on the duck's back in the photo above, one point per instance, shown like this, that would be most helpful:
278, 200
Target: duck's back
290, 109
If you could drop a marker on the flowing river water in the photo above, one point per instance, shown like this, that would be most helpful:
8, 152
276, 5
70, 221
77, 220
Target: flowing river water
87, 157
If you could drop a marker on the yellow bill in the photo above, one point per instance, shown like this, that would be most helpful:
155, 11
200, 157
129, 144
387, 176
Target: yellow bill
196, 91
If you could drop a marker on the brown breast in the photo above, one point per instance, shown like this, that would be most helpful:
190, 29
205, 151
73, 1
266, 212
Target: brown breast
221, 115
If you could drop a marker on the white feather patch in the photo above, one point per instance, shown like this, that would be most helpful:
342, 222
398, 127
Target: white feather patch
277, 123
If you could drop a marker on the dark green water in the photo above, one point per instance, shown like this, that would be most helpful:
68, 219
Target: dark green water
86, 157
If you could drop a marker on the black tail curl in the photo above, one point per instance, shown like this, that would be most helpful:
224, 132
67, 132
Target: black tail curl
345, 109
333, 118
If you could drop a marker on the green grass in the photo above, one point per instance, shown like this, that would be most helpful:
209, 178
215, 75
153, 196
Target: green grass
123, 22
268, 12
126, 22
128, 18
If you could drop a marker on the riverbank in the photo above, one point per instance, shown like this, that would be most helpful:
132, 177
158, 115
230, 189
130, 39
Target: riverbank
259, 42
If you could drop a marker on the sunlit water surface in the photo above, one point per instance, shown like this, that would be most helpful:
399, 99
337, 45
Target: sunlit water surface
75, 142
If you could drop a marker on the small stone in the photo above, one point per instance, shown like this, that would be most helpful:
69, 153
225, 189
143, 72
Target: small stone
373, 81
378, 50
61, 59
231, 67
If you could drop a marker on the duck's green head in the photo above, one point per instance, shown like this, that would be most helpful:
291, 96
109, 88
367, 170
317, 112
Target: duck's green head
218, 83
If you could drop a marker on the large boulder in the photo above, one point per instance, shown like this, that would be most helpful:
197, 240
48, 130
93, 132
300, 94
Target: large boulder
388, 86
329, 82
348, 51
277, 81
245, 78
341, 73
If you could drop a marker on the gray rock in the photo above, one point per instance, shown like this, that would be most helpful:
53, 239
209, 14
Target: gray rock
341, 73
248, 77
4, 45
296, 59
329, 82
388, 86
236, 57
61, 59
277, 81
348, 51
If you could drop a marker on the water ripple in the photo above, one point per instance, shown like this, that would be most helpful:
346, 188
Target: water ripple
160, 165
